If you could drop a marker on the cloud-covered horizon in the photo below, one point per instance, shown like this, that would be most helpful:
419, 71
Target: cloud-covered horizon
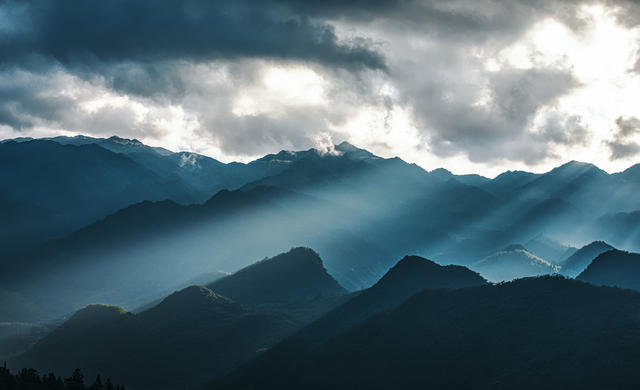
480, 86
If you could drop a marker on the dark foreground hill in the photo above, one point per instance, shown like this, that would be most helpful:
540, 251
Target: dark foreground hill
614, 268
546, 332
194, 334
410, 275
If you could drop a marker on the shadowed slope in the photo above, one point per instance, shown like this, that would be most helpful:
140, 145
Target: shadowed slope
614, 268
297, 275
193, 335
560, 334
409, 276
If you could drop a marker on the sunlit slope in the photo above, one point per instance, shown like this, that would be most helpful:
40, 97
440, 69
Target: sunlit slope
511, 263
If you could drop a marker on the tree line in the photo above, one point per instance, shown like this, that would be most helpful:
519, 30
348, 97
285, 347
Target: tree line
29, 379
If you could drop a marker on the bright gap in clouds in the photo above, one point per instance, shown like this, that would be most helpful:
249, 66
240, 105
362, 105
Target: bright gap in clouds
281, 87
600, 58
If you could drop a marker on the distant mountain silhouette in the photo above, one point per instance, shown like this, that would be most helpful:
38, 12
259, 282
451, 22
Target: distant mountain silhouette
584, 186
511, 263
505, 184
578, 261
164, 244
621, 229
469, 179
410, 275
72, 186
297, 275
56, 185
202, 175
614, 268
545, 332
549, 249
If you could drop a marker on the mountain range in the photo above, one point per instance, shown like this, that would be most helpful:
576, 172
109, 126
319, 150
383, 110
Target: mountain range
143, 264
198, 334
195, 332
79, 208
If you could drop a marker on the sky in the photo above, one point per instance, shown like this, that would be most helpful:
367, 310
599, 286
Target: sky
475, 86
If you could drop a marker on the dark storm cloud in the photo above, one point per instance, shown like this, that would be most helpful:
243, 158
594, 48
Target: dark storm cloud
77, 32
477, 20
621, 146
22, 104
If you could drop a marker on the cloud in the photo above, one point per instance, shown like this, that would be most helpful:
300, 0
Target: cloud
487, 116
430, 76
86, 34
621, 146
564, 130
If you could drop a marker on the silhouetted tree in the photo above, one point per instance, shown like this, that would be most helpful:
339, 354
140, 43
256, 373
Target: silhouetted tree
76, 381
97, 385
28, 379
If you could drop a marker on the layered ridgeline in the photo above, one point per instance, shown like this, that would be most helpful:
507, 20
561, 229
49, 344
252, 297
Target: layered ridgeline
614, 268
546, 332
549, 249
410, 275
194, 334
620, 228
56, 185
356, 209
578, 261
162, 245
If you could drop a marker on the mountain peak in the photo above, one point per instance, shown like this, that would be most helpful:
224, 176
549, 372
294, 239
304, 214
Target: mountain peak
577, 262
345, 146
508, 265
420, 272
353, 152
574, 168
409, 276
297, 275
98, 312
614, 268
514, 247
125, 141
442, 173
193, 301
